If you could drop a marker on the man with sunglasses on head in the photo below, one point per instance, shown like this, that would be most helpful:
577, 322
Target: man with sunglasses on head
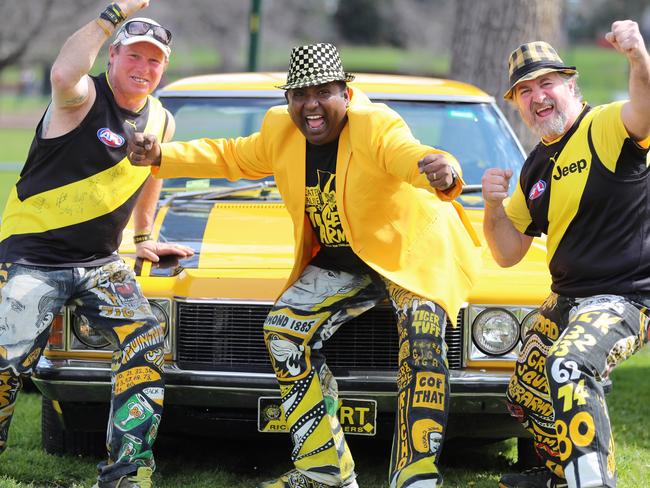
63, 224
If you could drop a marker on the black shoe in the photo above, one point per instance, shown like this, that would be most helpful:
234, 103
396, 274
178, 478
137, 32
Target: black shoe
539, 477
141, 479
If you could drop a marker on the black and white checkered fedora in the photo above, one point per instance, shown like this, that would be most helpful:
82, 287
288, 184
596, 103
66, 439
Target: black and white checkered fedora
314, 64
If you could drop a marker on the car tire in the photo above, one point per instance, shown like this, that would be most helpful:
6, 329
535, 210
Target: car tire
526, 455
56, 439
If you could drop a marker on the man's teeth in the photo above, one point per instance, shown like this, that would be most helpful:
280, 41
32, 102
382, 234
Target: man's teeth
139, 80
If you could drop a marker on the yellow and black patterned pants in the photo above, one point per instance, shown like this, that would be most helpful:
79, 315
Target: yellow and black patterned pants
556, 390
302, 319
109, 300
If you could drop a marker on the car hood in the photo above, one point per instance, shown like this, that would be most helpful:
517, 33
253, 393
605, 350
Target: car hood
526, 283
251, 235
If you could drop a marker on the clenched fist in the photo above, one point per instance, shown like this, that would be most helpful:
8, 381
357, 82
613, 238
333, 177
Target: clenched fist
129, 7
439, 172
627, 39
495, 184
143, 150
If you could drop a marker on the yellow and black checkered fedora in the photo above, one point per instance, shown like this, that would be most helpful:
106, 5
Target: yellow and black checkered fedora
314, 64
532, 60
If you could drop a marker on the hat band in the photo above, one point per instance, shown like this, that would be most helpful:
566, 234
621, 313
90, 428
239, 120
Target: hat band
530, 67
303, 81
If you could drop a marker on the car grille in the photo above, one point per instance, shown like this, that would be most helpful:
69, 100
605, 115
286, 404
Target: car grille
229, 337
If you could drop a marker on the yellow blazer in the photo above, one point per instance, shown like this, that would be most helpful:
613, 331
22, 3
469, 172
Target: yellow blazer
394, 221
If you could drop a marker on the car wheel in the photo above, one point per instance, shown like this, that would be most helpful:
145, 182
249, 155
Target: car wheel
57, 439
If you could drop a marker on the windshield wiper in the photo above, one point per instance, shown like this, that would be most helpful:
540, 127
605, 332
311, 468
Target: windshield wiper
217, 194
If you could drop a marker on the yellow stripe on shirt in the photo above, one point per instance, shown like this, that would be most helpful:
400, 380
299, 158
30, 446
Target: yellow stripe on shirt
82, 200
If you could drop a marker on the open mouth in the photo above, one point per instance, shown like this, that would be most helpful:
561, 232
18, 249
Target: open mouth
140, 81
315, 122
544, 111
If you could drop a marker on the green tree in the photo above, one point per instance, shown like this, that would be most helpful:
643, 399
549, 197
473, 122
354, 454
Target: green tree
486, 32
369, 22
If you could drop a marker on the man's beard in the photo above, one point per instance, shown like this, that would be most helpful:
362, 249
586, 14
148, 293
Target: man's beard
548, 129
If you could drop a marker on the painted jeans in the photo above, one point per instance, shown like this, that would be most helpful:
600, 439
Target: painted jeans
108, 299
304, 317
556, 390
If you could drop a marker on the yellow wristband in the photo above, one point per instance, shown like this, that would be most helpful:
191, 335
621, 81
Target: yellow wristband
104, 28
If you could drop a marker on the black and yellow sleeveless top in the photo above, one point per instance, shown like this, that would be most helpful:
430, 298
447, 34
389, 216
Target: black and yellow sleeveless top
76, 192
589, 192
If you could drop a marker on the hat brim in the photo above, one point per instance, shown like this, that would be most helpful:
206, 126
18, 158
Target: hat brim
303, 83
569, 70
135, 39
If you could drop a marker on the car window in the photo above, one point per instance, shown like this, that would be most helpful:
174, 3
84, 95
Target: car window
473, 132
215, 117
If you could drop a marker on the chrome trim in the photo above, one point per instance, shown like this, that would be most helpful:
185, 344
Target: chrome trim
475, 392
229, 301
99, 366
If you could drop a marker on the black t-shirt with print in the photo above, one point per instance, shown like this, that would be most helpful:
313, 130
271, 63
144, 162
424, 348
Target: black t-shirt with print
322, 211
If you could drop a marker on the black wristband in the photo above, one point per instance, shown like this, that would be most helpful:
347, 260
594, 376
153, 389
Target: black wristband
113, 13
138, 238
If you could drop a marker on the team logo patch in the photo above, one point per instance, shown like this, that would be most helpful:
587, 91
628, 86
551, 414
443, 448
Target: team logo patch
110, 138
537, 190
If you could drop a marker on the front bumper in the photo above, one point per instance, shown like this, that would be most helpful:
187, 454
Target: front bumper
74, 381
477, 406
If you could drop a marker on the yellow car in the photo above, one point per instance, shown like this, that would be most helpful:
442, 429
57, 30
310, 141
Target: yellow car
214, 304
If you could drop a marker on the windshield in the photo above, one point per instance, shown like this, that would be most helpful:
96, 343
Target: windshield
473, 132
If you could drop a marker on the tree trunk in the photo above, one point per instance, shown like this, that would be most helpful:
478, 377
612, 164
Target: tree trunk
485, 34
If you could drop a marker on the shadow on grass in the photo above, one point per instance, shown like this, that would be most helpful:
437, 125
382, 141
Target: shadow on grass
243, 462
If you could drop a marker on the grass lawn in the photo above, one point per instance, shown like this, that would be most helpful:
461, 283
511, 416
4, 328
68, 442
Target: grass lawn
14, 144
218, 463
603, 73
7, 180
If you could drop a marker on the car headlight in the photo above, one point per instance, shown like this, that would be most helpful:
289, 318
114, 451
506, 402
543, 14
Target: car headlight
84, 336
161, 313
528, 323
88, 336
495, 331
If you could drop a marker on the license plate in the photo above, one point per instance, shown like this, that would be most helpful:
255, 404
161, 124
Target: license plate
358, 417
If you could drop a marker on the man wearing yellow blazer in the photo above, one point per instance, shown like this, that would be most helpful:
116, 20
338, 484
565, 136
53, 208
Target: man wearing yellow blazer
373, 219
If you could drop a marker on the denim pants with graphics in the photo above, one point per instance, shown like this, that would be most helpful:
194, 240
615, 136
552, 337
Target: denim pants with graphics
109, 300
309, 313
556, 391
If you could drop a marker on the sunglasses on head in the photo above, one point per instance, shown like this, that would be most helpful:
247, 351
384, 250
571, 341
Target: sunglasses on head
140, 28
